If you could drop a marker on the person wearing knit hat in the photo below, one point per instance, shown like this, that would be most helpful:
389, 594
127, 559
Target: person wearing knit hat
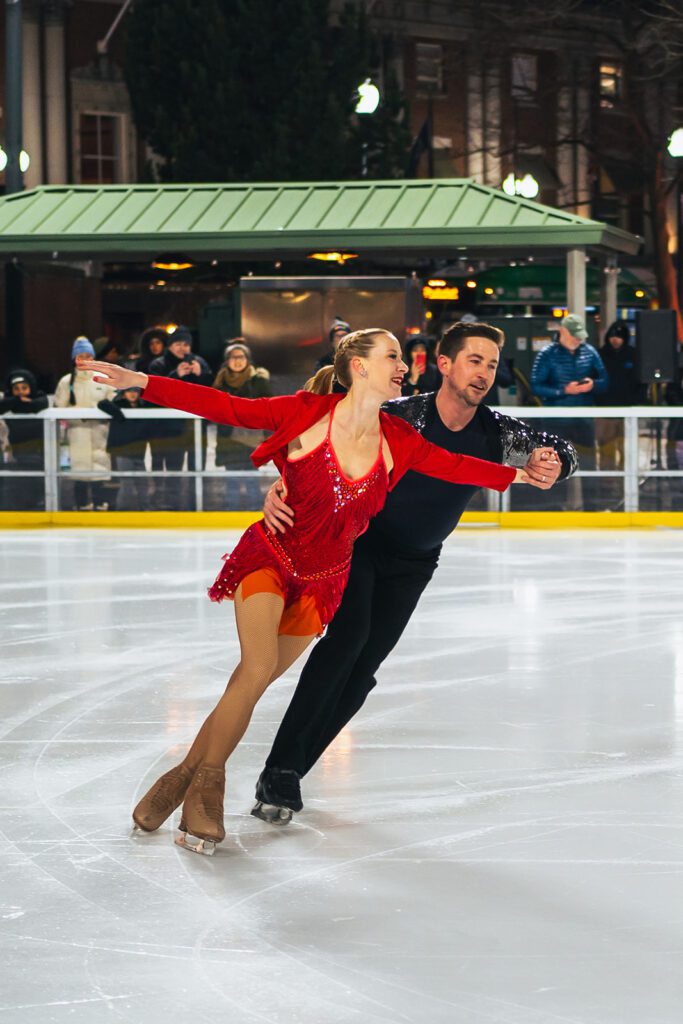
82, 346
238, 376
338, 329
87, 439
22, 396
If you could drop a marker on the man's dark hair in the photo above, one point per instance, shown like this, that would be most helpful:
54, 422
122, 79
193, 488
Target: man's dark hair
455, 337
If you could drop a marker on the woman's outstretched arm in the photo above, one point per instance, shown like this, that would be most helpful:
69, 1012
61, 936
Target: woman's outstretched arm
251, 413
412, 451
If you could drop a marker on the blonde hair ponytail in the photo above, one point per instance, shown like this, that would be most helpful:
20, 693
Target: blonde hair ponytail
322, 382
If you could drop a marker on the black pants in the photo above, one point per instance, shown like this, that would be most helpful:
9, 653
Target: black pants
384, 587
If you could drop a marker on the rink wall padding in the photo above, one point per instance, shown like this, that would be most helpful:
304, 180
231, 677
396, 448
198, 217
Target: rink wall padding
240, 520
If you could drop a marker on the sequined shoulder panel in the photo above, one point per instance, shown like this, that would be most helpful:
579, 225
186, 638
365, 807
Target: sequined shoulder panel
414, 410
518, 440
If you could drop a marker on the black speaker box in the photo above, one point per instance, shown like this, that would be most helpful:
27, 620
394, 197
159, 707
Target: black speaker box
656, 346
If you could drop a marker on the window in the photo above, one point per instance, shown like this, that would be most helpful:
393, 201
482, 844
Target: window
524, 77
611, 85
429, 68
100, 149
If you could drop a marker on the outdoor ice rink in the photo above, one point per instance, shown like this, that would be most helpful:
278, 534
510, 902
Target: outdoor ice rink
497, 838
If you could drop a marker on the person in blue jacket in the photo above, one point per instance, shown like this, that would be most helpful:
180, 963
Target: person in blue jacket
569, 373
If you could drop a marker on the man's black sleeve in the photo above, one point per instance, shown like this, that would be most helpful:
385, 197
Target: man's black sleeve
518, 440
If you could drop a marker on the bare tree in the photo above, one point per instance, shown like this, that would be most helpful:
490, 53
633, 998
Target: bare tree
644, 38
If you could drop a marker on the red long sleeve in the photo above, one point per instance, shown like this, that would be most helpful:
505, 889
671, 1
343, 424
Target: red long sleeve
411, 451
251, 413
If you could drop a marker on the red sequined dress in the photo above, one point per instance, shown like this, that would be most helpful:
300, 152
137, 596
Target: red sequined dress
313, 556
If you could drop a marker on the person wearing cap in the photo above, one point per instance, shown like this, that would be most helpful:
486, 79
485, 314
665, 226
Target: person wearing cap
87, 439
338, 328
568, 373
175, 438
238, 376
25, 437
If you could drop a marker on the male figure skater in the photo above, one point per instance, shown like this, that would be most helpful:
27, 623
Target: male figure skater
395, 559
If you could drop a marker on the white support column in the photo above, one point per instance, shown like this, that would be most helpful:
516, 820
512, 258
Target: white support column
55, 96
576, 281
31, 87
608, 294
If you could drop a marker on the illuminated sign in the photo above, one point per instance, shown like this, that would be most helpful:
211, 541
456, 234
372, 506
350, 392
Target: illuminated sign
440, 293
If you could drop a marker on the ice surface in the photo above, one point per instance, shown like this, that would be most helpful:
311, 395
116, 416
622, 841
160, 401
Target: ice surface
498, 837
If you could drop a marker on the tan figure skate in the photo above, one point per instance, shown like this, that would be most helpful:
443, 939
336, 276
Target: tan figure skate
201, 824
159, 802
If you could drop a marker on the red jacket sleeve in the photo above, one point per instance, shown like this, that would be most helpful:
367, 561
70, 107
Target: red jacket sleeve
251, 413
424, 457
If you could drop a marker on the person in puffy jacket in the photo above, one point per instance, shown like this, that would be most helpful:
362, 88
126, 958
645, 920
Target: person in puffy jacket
87, 439
569, 373
25, 437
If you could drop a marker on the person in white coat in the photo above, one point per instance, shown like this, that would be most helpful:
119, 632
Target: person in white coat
87, 439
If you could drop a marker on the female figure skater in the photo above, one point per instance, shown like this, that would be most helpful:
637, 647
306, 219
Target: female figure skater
339, 455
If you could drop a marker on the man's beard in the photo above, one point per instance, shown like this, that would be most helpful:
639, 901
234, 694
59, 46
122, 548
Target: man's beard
468, 397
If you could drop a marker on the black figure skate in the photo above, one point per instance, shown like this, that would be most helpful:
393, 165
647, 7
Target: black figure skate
278, 796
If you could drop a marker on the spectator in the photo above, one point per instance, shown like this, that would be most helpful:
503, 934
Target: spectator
26, 440
126, 445
238, 376
422, 376
87, 439
338, 329
618, 357
152, 345
569, 373
175, 438
622, 389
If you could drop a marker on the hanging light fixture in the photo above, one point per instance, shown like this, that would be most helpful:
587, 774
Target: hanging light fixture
172, 261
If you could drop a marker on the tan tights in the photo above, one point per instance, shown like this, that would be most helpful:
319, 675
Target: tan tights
264, 656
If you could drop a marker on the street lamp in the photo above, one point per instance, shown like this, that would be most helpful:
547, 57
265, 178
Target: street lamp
527, 186
675, 146
24, 160
368, 101
368, 98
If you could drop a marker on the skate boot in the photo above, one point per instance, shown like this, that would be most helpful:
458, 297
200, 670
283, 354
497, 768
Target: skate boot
202, 817
159, 802
278, 795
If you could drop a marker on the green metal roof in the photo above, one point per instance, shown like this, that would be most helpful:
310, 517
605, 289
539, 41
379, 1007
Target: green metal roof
399, 217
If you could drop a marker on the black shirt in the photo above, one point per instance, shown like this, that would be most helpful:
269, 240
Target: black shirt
422, 511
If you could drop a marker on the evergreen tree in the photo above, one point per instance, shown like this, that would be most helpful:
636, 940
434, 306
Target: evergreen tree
251, 90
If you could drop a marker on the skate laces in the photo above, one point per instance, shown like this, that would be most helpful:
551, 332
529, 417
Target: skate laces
286, 782
167, 791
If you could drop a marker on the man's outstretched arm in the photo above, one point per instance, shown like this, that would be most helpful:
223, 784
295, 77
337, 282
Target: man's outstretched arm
520, 440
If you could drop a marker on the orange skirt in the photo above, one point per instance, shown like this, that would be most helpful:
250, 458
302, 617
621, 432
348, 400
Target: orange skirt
300, 618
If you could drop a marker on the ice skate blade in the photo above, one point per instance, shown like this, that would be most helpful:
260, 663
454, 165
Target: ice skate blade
271, 813
195, 845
